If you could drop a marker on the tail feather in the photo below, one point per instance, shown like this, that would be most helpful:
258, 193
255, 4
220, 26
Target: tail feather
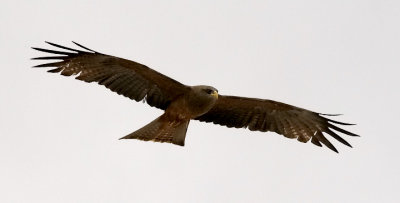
162, 130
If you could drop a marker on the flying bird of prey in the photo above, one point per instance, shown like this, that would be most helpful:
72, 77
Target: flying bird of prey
182, 103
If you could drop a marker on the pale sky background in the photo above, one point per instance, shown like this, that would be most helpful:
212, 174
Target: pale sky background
59, 136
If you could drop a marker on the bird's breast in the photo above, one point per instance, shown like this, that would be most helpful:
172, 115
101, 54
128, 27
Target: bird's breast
190, 107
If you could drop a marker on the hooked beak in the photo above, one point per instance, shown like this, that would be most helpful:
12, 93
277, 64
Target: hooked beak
214, 94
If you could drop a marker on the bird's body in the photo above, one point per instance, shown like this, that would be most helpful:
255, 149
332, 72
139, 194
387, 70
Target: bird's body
183, 103
172, 125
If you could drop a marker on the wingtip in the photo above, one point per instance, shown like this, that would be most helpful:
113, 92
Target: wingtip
334, 149
328, 114
51, 43
331, 147
337, 122
348, 144
84, 47
76, 43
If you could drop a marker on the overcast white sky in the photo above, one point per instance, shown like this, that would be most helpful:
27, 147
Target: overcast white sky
59, 136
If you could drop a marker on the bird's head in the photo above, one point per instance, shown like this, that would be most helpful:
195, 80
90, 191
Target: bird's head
206, 90
202, 98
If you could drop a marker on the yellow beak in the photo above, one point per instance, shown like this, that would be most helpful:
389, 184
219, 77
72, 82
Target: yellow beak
214, 94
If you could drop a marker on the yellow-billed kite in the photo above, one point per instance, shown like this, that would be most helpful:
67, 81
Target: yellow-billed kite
183, 103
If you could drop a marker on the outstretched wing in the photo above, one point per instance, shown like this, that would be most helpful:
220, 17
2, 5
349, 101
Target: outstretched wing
128, 78
267, 115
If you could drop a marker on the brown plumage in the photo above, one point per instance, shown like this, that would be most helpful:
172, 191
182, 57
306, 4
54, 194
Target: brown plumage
183, 103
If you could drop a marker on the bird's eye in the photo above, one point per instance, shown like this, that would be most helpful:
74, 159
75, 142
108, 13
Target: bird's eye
208, 91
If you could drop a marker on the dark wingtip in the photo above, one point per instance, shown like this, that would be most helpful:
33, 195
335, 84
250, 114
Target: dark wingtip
342, 130
49, 58
84, 47
327, 114
55, 64
337, 122
332, 148
52, 51
41, 66
315, 141
64, 47
333, 121
321, 138
337, 137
